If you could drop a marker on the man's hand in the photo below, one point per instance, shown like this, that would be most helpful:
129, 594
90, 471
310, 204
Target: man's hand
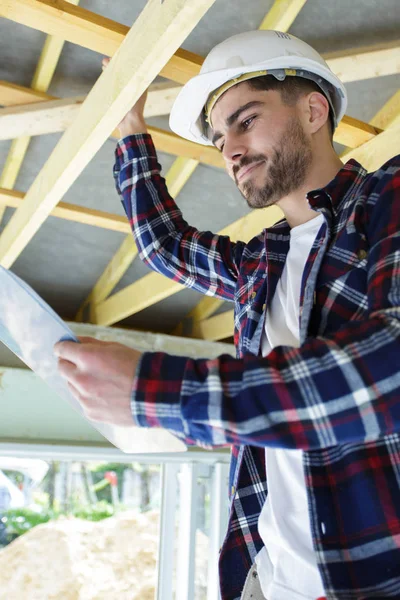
133, 122
100, 377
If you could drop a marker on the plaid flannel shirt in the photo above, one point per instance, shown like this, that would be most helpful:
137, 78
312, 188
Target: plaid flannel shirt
337, 397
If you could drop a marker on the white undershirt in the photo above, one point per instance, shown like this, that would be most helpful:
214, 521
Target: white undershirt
286, 565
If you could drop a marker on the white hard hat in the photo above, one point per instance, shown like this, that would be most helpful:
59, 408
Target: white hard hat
247, 55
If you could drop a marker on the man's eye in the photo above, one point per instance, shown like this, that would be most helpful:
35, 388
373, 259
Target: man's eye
221, 147
247, 122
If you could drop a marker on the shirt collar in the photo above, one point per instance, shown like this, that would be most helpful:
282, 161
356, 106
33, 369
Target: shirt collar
347, 180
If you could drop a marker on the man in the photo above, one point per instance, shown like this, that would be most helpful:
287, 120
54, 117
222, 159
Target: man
311, 404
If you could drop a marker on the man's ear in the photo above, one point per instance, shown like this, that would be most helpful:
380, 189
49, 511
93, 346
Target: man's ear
316, 111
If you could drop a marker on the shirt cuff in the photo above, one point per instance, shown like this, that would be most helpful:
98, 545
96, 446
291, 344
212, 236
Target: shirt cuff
134, 146
156, 391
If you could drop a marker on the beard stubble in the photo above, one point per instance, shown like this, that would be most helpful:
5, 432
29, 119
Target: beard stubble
286, 169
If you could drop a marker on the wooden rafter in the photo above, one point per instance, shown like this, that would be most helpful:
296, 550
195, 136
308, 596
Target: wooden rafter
127, 252
53, 116
97, 33
160, 99
154, 37
374, 153
165, 141
389, 114
366, 62
282, 14
215, 328
71, 212
40, 83
89, 30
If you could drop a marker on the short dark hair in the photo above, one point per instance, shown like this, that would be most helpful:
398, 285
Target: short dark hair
291, 88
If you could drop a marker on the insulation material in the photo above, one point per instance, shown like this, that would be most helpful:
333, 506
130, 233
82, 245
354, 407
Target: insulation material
73, 559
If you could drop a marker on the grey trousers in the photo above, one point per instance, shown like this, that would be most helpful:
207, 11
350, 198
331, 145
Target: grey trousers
252, 589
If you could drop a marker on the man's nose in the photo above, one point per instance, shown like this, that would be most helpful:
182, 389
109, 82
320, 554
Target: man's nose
233, 151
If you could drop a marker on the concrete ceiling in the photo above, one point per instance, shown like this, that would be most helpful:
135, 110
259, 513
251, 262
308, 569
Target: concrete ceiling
64, 259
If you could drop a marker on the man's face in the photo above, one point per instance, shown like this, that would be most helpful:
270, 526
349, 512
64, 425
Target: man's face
265, 148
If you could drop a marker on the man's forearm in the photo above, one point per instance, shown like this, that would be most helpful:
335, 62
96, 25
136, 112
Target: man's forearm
132, 125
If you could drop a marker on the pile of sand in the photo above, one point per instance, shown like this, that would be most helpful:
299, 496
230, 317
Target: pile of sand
72, 559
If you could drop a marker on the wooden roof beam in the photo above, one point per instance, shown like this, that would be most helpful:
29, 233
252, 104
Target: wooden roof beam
89, 30
160, 98
72, 212
282, 14
176, 178
154, 37
40, 118
56, 118
41, 80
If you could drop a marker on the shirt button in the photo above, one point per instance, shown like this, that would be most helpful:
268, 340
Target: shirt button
264, 307
253, 295
361, 254
233, 490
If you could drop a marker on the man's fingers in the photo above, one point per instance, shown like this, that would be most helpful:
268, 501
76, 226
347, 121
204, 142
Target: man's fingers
81, 399
85, 339
66, 368
77, 353
68, 351
84, 384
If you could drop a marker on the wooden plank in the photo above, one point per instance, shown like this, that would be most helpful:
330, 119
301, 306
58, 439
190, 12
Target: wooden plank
38, 118
155, 35
56, 115
72, 212
97, 33
41, 80
179, 173
353, 132
376, 152
48, 60
204, 309
53, 116
282, 14
137, 296
12, 94
128, 251
366, 62
159, 99
89, 30
112, 274
165, 141
389, 114
13, 162
215, 328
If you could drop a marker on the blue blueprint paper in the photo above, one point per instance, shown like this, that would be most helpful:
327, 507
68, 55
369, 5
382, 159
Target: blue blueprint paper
30, 329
